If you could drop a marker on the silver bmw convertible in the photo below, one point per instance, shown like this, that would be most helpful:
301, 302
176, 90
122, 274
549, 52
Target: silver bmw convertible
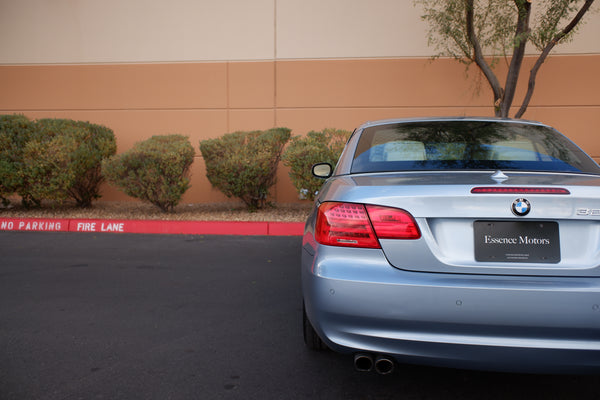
457, 242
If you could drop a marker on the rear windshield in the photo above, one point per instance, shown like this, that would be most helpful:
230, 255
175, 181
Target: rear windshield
468, 145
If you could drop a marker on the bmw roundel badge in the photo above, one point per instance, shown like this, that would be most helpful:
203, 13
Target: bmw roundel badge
521, 207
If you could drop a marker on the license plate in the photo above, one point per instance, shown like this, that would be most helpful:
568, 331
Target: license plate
517, 241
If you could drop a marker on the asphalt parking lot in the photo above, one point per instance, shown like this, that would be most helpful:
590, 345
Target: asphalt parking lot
123, 316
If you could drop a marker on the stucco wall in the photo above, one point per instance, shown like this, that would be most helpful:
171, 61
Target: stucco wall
205, 68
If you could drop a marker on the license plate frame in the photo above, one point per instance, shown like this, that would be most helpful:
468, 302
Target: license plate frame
517, 241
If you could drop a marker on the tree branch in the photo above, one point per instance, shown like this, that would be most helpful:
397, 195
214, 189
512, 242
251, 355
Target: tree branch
478, 55
532, 75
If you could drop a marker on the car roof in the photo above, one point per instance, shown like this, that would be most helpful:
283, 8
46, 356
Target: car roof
446, 119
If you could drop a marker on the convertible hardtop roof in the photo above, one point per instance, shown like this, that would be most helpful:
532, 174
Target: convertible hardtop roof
447, 119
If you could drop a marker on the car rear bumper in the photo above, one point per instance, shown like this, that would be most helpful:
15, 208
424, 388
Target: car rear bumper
357, 302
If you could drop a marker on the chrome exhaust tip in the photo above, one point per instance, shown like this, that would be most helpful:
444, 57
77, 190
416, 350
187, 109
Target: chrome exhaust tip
384, 365
363, 362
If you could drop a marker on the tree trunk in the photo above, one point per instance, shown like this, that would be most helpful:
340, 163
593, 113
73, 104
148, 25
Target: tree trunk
521, 37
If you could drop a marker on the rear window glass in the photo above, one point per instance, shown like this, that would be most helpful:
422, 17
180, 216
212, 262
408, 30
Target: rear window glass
468, 145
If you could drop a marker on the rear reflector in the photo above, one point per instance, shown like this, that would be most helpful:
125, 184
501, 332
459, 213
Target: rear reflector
356, 225
519, 190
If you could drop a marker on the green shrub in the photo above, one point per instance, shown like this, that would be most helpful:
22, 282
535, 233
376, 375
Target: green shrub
156, 170
244, 164
47, 173
15, 132
87, 145
305, 151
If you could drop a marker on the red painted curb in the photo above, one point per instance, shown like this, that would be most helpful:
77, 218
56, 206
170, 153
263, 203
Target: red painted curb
286, 228
249, 228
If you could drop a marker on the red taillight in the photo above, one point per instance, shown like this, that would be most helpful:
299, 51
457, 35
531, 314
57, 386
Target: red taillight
354, 225
393, 223
519, 190
345, 224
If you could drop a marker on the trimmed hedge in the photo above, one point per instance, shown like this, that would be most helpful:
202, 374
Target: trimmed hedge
156, 170
52, 159
47, 172
87, 145
305, 151
15, 132
244, 164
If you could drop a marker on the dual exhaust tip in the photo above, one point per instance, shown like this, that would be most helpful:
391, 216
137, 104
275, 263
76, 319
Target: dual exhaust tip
381, 364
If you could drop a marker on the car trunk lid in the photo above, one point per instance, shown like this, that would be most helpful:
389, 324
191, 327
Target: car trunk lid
482, 233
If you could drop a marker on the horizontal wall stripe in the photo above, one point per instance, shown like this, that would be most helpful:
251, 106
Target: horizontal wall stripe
562, 81
207, 100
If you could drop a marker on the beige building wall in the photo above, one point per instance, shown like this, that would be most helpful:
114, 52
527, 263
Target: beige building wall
108, 31
205, 68
134, 31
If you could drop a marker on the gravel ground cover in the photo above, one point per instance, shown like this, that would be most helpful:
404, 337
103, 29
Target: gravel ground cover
183, 212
